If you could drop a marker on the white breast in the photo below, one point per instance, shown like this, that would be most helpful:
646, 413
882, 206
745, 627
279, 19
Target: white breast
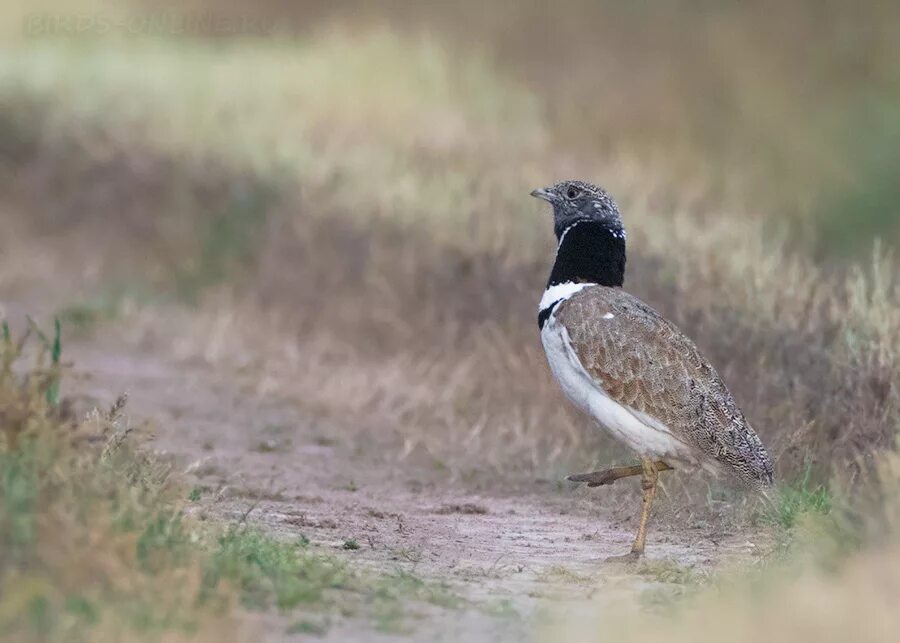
648, 437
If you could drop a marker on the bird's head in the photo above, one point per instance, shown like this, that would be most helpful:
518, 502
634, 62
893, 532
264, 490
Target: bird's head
574, 201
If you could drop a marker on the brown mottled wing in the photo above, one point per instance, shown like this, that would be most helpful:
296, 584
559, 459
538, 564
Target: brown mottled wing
643, 361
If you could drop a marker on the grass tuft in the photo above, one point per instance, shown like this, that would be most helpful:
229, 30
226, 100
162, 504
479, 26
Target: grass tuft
794, 501
268, 571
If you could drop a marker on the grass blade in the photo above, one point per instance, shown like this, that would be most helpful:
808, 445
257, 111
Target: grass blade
55, 354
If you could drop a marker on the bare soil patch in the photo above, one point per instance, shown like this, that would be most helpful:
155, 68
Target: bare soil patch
505, 552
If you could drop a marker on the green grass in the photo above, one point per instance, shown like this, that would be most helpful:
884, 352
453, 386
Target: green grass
52, 348
272, 572
795, 500
19, 473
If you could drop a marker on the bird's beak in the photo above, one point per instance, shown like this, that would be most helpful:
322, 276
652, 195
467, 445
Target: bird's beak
543, 193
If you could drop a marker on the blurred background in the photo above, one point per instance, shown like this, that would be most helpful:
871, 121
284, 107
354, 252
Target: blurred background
350, 180
323, 207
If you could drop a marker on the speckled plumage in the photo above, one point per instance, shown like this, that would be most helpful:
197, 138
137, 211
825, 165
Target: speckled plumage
643, 362
623, 363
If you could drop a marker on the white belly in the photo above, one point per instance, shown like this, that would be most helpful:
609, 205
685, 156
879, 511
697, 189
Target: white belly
646, 436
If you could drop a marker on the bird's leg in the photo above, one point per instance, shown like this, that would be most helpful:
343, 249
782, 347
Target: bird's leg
648, 486
649, 476
608, 476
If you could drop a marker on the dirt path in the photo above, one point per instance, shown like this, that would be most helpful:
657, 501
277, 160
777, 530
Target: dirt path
513, 553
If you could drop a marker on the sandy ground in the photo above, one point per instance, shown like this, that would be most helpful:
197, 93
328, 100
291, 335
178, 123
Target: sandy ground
514, 554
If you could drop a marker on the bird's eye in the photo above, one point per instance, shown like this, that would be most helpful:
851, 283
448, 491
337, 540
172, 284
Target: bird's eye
572, 192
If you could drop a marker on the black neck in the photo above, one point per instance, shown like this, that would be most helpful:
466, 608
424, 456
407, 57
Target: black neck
590, 252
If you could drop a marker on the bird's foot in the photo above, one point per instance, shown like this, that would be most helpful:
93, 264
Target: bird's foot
596, 478
608, 476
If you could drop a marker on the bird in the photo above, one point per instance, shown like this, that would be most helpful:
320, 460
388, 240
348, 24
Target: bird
628, 367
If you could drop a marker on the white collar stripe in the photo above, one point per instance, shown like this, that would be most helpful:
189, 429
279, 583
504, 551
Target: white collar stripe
560, 291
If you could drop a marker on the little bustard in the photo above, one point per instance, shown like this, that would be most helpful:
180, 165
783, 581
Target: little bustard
628, 367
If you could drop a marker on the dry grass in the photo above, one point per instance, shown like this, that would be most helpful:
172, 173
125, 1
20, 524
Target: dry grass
90, 536
392, 256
